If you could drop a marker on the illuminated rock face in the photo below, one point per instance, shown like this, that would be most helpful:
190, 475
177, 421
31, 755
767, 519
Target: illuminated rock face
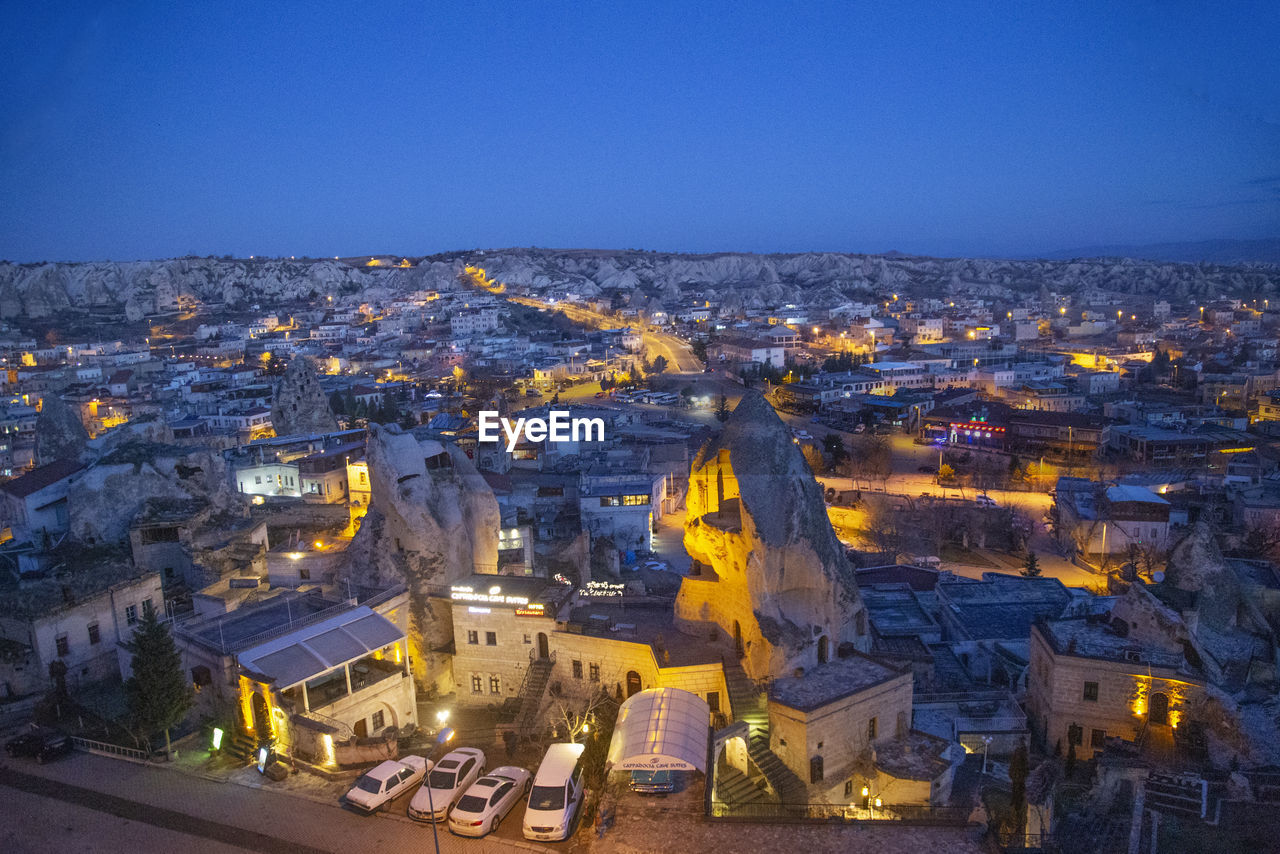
770, 572
432, 521
300, 407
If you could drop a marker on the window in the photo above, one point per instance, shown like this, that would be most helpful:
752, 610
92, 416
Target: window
379, 720
131, 615
476, 683
577, 670
473, 637
871, 729
201, 676
495, 684
1091, 691
1075, 734
815, 769
257, 479
94, 634
304, 574
848, 788
713, 700
1097, 738
168, 572
490, 638
594, 672
63, 646
147, 607
528, 639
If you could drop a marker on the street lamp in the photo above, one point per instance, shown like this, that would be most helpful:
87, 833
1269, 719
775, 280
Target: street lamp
986, 743
445, 736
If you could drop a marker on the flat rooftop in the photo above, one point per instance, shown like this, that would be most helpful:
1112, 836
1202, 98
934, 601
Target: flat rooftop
651, 623
830, 682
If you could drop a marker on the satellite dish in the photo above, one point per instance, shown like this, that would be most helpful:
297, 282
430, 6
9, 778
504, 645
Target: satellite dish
1157, 576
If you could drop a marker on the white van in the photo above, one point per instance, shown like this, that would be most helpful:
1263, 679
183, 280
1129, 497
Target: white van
556, 794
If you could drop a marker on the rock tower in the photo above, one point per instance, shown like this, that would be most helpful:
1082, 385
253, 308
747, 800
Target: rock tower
300, 406
768, 569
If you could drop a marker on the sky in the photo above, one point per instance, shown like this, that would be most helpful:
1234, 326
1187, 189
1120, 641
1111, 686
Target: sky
147, 130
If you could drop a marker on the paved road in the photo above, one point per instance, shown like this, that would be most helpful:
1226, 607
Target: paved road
92, 803
676, 351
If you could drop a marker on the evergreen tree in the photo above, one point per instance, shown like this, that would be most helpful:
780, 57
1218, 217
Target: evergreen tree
157, 692
659, 364
833, 447
1031, 568
722, 409
1018, 784
336, 403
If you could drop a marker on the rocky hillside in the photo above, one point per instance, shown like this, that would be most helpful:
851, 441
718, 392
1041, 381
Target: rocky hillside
136, 289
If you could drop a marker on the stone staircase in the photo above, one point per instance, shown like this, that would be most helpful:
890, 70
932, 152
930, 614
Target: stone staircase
790, 788
736, 789
750, 706
531, 694
745, 700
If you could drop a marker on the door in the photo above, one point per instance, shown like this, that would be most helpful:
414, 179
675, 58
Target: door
1159, 709
261, 718
633, 682
361, 729
543, 652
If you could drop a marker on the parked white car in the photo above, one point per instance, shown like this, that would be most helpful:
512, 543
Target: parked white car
448, 779
555, 795
483, 806
385, 782
984, 501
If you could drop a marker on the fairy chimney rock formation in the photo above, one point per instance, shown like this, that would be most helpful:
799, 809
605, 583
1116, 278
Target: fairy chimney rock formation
60, 433
432, 521
300, 407
768, 568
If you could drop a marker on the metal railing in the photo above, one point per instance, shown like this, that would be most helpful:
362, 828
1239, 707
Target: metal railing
921, 814
107, 749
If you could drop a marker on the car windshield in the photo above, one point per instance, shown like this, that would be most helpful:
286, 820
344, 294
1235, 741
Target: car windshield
471, 804
546, 798
368, 784
441, 780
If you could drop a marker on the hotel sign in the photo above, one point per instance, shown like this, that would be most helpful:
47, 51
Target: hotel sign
604, 590
494, 596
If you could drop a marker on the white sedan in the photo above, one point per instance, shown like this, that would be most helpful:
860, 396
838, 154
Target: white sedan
385, 782
448, 779
483, 807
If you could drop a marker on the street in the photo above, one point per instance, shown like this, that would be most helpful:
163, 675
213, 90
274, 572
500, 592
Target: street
92, 803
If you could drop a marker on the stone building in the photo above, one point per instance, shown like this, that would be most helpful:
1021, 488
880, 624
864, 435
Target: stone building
768, 570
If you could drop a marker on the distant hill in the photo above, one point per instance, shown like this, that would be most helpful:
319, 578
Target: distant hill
1206, 251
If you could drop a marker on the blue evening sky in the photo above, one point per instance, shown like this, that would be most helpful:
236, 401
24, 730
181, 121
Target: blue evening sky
149, 129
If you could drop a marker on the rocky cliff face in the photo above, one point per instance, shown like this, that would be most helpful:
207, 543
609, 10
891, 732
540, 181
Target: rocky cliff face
136, 289
299, 406
113, 492
60, 433
772, 574
432, 521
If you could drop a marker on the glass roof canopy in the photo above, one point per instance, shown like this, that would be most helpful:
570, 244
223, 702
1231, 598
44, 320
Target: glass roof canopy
661, 729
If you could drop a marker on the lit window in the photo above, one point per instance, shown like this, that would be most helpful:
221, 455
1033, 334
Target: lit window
495, 684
